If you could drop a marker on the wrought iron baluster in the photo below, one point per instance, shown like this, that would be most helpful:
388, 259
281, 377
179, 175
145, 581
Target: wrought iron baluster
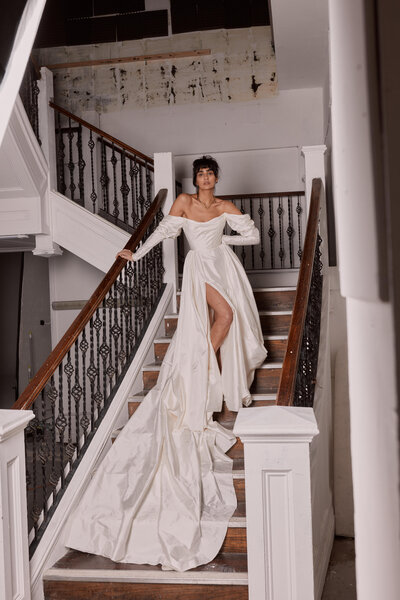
104, 349
98, 324
115, 329
124, 188
114, 161
133, 172
148, 185
77, 394
141, 198
61, 185
104, 178
299, 210
280, 220
68, 370
130, 293
52, 395
81, 167
271, 231
290, 230
84, 421
93, 194
261, 213
110, 367
71, 165
61, 421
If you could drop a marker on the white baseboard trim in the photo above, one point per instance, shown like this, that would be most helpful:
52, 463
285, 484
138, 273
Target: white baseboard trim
51, 546
322, 556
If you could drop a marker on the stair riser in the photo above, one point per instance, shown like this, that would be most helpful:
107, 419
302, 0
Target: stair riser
269, 300
276, 350
239, 486
266, 381
270, 324
235, 540
79, 590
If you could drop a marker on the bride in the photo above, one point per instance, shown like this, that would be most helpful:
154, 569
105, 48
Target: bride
164, 492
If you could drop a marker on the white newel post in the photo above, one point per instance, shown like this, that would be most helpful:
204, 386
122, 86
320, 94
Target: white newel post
278, 500
45, 246
164, 177
14, 556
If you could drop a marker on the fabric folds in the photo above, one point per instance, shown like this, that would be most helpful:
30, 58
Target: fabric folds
164, 492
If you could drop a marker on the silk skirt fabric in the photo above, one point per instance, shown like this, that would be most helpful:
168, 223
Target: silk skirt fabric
164, 492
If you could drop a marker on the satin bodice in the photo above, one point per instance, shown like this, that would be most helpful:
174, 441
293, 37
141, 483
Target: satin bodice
203, 236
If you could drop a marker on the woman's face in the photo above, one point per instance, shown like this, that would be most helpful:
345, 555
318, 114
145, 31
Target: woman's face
205, 179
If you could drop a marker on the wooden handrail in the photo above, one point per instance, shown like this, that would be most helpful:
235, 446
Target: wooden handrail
262, 195
38, 382
287, 382
100, 132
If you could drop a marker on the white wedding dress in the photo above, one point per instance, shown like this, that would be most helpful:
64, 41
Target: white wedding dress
164, 492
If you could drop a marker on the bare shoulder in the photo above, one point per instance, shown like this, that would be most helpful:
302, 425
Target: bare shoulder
230, 208
181, 203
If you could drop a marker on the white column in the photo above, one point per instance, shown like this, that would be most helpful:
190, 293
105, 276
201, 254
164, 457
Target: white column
164, 177
314, 166
45, 246
14, 556
278, 500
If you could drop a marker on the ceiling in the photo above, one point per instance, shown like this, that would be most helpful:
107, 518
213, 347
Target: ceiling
100, 21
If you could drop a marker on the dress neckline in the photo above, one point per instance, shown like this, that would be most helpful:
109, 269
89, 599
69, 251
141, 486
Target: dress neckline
209, 220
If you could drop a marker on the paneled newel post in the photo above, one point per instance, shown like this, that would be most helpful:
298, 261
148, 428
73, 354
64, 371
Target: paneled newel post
45, 246
278, 500
164, 177
14, 557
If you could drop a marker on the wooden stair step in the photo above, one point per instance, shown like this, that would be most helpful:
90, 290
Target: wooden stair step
266, 378
82, 576
272, 322
280, 298
275, 345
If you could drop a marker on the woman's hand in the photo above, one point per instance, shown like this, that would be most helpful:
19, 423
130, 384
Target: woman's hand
127, 254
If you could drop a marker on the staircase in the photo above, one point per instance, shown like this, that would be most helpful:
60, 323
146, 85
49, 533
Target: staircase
79, 576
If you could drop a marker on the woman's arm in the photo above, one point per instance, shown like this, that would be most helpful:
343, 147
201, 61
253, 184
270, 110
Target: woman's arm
244, 225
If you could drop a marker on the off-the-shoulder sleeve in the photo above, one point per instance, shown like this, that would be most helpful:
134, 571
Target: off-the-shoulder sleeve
244, 225
170, 227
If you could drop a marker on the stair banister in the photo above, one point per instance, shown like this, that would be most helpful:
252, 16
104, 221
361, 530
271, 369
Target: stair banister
287, 385
47, 369
101, 133
73, 389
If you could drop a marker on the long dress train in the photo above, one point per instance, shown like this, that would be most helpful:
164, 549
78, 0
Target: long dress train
164, 492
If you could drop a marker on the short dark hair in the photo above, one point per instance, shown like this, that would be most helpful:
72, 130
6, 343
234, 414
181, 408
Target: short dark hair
205, 162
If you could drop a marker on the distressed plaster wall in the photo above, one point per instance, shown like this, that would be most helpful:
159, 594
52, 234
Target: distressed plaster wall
240, 67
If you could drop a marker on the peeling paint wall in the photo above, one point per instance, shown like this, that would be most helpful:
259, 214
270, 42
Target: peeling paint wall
240, 68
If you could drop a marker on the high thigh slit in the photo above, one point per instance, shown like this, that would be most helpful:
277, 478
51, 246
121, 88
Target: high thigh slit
164, 492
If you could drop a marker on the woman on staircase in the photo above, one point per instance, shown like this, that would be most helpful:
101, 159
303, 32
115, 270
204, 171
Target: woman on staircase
164, 492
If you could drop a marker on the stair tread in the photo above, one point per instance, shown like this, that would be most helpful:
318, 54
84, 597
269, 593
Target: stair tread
77, 565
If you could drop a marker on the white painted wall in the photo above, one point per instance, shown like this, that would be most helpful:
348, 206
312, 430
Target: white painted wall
70, 278
371, 325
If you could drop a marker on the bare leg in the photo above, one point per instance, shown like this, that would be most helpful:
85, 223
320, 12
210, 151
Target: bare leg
222, 316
